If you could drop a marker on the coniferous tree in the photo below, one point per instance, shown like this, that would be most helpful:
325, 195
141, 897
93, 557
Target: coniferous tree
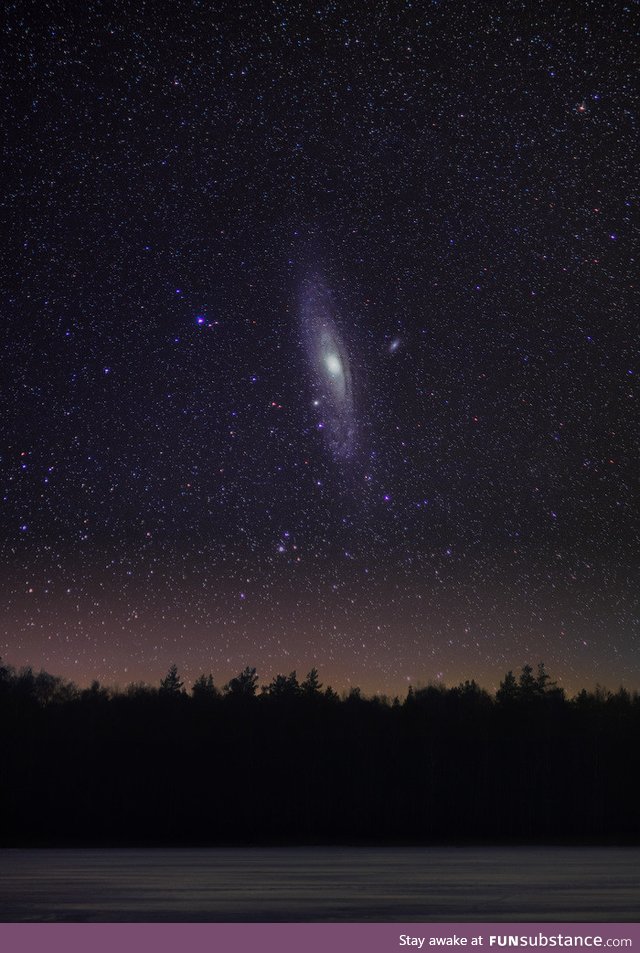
171, 684
204, 689
311, 684
527, 685
543, 680
284, 686
243, 685
508, 692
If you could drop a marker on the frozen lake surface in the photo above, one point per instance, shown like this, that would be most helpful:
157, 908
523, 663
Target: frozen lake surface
321, 884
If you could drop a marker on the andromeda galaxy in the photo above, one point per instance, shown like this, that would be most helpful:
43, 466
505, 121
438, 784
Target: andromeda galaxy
329, 367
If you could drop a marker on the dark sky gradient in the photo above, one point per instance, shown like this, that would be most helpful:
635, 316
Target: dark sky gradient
460, 178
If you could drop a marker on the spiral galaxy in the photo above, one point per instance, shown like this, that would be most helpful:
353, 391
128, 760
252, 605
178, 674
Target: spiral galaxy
329, 367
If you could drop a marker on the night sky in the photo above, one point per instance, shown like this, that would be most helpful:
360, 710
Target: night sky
319, 340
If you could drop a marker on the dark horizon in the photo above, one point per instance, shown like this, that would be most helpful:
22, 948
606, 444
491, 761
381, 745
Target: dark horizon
296, 764
264, 684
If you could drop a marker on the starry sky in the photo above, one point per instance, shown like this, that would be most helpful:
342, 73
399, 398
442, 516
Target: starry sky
319, 340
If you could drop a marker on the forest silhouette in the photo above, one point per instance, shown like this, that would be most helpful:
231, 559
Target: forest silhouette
295, 763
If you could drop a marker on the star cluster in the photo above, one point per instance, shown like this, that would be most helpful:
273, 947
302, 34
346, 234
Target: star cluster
462, 177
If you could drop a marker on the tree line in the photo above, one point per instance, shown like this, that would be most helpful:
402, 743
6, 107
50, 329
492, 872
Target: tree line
293, 762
